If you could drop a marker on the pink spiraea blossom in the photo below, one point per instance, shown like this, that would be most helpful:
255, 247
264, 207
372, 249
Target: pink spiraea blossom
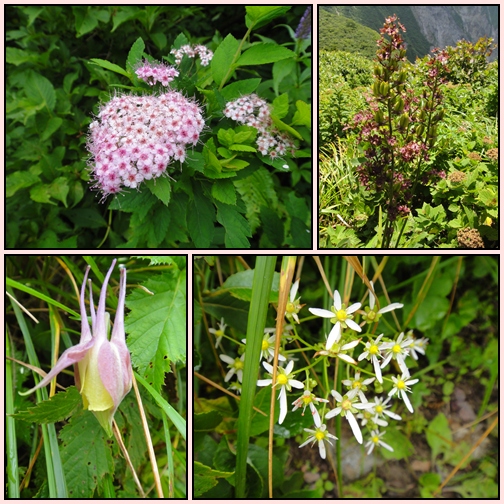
135, 138
103, 371
156, 72
203, 52
254, 111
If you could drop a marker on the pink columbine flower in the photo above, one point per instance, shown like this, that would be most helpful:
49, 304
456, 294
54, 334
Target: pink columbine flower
135, 138
103, 371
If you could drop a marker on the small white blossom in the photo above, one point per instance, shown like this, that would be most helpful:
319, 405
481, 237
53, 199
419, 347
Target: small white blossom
418, 345
372, 352
372, 315
268, 348
285, 380
293, 306
307, 399
381, 409
397, 350
235, 366
321, 435
347, 406
339, 351
218, 333
359, 385
401, 387
340, 316
375, 440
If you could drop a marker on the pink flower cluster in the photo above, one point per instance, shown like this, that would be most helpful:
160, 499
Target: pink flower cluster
156, 72
254, 111
198, 50
134, 138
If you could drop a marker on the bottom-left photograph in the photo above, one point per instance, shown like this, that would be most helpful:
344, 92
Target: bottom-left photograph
95, 376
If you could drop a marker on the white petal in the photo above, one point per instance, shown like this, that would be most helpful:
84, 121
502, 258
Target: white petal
316, 416
296, 384
390, 307
321, 446
371, 297
311, 438
355, 426
392, 392
377, 369
229, 374
353, 325
333, 412
263, 383
268, 367
283, 405
392, 415
363, 355
412, 382
406, 401
347, 358
352, 344
385, 445
386, 360
289, 367
334, 336
294, 290
320, 312
336, 395
353, 308
227, 359
337, 300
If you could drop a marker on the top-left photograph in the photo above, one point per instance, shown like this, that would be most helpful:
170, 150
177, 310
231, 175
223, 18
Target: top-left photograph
170, 127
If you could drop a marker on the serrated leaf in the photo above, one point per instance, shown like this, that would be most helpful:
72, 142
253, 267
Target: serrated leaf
135, 54
240, 88
155, 260
281, 105
19, 180
273, 226
110, 66
302, 115
263, 53
200, 219
85, 454
236, 226
224, 191
223, 58
156, 325
261, 15
40, 90
57, 408
205, 478
161, 188
242, 148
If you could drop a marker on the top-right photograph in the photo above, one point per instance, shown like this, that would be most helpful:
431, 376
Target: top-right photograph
408, 127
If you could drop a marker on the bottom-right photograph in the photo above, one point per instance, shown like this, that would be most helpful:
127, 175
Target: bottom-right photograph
345, 377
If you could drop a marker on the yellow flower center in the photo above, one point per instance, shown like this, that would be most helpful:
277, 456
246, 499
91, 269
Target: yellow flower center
290, 308
401, 385
219, 333
375, 439
282, 379
265, 344
307, 399
378, 409
373, 349
396, 349
319, 435
238, 364
371, 315
357, 384
346, 404
341, 315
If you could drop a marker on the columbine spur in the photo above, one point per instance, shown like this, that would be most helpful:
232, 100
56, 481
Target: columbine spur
103, 371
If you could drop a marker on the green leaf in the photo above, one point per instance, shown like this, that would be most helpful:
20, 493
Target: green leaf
40, 90
285, 127
226, 136
302, 116
301, 234
273, 226
156, 260
52, 125
242, 148
261, 15
135, 55
200, 219
19, 180
110, 66
85, 20
224, 191
282, 69
156, 325
85, 454
240, 88
56, 409
236, 226
262, 53
86, 217
161, 188
439, 435
205, 478
223, 58
207, 421
240, 284
234, 164
281, 106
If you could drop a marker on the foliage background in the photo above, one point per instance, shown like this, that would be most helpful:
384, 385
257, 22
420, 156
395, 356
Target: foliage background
155, 324
52, 92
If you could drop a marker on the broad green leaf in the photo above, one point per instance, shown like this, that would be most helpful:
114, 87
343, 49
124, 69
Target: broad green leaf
161, 188
302, 115
52, 125
240, 88
239, 285
234, 164
135, 54
242, 148
242, 136
224, 191
85, 454
273, 226
86, 217
41, 194
200, 219
261, 15
110, 66
85, 20
226, 136
285, 127
56, 409
236, 226
281, 106
205, 478
15, 56
158, 227
206, 421
125, 13
439, 435
156, 325
19, 180
223, 58
262, 53
282, 69
301, 234
40, 90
